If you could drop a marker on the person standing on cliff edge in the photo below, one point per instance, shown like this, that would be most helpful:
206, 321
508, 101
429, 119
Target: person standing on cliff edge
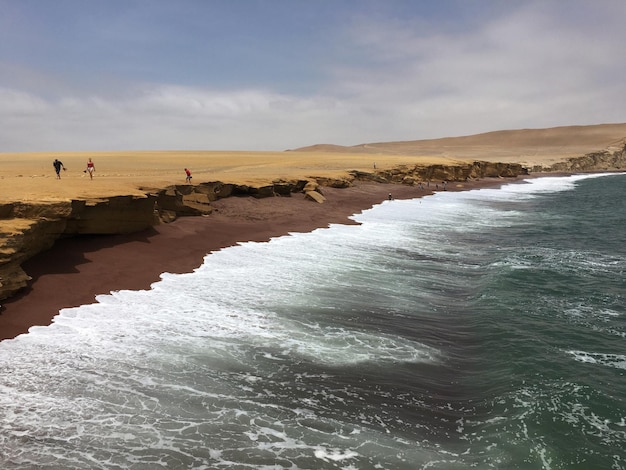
188, 173
58, 164
91, 168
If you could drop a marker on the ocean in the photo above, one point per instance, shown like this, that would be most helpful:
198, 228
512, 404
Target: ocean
476, 329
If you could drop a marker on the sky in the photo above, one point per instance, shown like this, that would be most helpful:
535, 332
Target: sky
79, 75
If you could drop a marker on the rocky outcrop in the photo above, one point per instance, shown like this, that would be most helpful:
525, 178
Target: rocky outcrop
315, 196
312, 190
419, 173
610, 159
20, 239
120, 214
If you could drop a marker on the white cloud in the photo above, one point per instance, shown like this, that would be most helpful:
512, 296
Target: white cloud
16, 103
531, 68
163, 117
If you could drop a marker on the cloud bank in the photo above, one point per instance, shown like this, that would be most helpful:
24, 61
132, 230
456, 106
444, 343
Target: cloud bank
378, 76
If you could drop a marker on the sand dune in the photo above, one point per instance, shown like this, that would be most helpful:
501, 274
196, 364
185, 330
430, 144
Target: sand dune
30, 176
526, 146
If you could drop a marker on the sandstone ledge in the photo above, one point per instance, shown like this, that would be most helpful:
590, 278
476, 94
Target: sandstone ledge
28, 228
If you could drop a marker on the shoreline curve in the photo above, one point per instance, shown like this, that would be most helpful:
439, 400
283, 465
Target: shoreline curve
75, 270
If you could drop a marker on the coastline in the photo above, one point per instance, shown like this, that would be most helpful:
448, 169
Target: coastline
76, 270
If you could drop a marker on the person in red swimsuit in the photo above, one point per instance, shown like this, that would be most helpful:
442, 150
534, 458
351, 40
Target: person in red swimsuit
91, 168
188, 173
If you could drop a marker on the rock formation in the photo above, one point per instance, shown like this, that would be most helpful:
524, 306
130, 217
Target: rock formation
418, 173
611, 159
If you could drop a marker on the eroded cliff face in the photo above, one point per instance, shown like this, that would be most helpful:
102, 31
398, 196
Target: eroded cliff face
415, 174
610, 159
20, 239
28, 229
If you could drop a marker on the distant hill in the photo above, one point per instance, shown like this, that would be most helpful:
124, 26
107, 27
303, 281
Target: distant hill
507, 145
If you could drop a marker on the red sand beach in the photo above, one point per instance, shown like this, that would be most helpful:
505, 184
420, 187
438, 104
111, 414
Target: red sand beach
75, 270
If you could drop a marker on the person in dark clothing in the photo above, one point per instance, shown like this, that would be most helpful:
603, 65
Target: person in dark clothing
58, 164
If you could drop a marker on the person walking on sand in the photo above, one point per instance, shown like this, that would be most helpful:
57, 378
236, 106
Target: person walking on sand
58, 164
91, 168
188, 173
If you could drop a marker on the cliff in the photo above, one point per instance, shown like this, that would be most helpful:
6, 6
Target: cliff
28, 228
611, 159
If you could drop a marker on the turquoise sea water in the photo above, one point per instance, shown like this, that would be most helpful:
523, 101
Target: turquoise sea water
480, 329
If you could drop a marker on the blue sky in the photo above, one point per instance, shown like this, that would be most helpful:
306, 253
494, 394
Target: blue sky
279, 74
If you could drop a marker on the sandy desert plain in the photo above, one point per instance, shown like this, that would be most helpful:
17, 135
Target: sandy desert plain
30, 176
